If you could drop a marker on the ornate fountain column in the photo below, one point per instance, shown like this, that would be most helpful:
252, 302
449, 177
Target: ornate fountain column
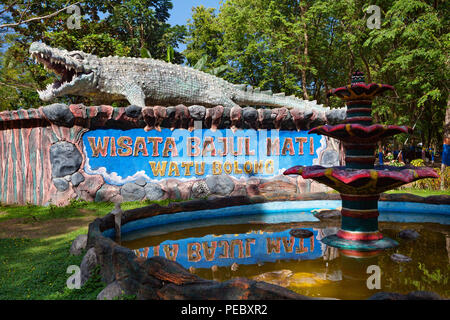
360, 182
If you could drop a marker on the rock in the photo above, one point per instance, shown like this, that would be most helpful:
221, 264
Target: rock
108, 193
240, 189
141, 182
65, 159
440, 199
78, 245
88, 264
329, 158
197, 112
277, 187
61, 184
328, 214
423, 295
301, 233
414, 295
387, 296
59, 114
76, 179
133, 111
88, 189
408, 234
185, 188
250, 114
397, 257
132, 192
153, 191
279, 278
220, 185
112, 291
200, 189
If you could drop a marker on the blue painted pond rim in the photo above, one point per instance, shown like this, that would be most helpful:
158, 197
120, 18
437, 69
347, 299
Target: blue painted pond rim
292, 211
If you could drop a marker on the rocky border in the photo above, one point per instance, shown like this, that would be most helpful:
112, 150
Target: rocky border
160, 278
156, 117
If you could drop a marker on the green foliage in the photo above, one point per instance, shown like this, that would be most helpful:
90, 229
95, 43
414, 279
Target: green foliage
417, 163
434, 184
217, 71
308, 47
76, 208
145, 53
170, 54
126, 297
396, 163
118, 27
429, 280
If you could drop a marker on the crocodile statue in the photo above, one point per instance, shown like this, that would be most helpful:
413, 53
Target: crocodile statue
154, 82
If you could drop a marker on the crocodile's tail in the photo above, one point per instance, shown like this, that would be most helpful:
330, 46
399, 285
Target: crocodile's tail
246, 95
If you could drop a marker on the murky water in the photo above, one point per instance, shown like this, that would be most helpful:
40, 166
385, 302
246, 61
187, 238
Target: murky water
267, 252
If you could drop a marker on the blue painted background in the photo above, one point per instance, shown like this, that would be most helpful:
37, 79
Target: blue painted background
118, 170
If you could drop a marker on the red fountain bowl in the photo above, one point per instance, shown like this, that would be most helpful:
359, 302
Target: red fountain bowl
363, 181
360, 90
355, 133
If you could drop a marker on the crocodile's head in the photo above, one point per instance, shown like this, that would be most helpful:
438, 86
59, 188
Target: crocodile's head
77, 71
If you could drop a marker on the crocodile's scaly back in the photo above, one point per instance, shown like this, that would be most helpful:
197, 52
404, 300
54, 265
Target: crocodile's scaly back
148, 82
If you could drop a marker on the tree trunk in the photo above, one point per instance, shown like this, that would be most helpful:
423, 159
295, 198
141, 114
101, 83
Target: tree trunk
366, 64
351, 65
305, 53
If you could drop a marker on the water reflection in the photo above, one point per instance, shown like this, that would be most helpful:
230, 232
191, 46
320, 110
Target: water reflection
269, 253
254, 247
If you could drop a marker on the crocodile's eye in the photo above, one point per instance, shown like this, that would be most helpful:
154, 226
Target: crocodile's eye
77, 56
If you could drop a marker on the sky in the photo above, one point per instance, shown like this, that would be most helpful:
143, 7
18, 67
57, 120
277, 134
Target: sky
182, 11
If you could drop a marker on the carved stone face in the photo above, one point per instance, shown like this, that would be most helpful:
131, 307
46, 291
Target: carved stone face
65, 159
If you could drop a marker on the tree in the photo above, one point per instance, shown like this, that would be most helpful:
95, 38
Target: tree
306, 47
119, 27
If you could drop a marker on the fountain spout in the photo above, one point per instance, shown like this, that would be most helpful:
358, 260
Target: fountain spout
360, 182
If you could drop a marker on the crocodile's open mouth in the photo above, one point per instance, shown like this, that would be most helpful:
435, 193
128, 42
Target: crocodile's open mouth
69, 74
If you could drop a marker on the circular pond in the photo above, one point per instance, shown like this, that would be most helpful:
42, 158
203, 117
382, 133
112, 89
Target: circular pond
255, 241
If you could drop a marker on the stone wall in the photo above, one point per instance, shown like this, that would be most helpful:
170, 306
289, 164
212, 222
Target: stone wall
42, 158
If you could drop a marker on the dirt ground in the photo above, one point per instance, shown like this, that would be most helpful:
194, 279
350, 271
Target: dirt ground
19, 228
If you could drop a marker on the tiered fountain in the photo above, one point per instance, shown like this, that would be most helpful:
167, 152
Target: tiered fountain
360, 182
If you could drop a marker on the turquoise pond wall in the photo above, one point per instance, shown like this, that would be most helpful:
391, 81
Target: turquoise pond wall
283, 212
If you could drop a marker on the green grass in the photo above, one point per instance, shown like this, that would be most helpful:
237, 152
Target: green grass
417, 192
36, 269
77, 208
421, 192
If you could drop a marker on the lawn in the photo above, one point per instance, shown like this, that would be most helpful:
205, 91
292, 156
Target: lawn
36, 269
77, 208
